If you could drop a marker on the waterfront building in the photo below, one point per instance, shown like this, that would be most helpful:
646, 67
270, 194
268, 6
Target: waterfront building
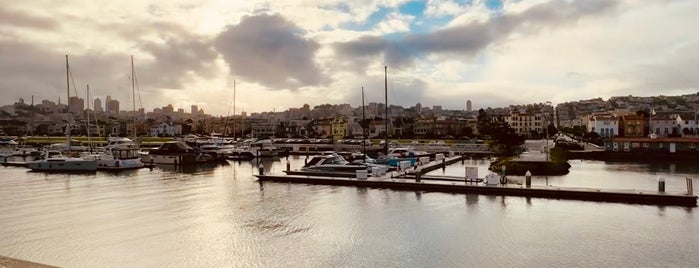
604, 124
468, 106
194, 109
653, 145
664, 124
632, 125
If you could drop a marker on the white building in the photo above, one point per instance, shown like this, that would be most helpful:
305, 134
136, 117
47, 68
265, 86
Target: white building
165, 129
604, 124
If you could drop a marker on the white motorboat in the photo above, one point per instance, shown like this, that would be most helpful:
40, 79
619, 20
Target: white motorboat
54, 161
116, 159
331, 165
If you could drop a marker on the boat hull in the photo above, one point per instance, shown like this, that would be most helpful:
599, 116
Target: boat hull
119, 164
184, 159
63, 166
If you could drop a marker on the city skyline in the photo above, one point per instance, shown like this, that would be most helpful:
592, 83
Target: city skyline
285, 54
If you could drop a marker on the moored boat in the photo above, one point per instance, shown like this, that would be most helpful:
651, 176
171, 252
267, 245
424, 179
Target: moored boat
116, 159
330, 165
171, 153
54, 161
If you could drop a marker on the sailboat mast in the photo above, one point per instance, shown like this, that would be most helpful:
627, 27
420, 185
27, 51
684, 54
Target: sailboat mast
385, 84
233, 110
133, 100
89, 140
68, 90
364, 135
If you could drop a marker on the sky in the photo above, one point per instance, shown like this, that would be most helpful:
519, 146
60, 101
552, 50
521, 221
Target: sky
284, 54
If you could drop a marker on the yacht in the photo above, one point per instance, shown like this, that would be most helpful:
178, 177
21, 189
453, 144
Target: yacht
171, 153
116, 159
330, 165
55, 161
120, 142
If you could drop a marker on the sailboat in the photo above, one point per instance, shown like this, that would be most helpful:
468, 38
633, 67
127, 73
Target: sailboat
55, 161
121, 153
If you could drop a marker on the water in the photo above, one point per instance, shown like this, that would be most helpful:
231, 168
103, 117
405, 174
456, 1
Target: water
219, 216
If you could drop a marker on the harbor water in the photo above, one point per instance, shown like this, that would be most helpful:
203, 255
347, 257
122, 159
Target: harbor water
220, 216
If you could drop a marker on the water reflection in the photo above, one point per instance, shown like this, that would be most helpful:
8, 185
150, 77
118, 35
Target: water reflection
169, 217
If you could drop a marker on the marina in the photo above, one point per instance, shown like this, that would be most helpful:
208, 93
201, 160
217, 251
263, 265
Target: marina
173, 216
412, 180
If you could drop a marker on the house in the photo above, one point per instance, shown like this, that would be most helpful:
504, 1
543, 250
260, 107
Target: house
604, 124
664, 125
340, 127
632, 125
165, 129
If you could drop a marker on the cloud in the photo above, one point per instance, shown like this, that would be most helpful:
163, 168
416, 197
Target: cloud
471, 38
271, 51
23, 19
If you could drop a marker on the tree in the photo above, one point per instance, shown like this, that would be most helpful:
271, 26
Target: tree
552, 130
501, 138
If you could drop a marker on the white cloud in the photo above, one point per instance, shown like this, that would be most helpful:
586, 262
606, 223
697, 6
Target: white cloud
635, 47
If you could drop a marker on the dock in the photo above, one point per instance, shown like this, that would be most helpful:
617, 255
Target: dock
453, 184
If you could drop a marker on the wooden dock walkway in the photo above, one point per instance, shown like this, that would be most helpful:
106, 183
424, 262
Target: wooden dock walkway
452, 185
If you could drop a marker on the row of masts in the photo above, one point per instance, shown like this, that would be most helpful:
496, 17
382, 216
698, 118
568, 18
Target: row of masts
133, 94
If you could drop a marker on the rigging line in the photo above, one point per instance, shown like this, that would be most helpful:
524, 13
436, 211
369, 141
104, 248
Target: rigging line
70, 73
138, 88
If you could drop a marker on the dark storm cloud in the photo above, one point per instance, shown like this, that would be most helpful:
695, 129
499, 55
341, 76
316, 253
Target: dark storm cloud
269, 50
471, 38
177, 58
22, 19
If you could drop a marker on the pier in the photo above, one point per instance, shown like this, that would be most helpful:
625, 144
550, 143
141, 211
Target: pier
418, 180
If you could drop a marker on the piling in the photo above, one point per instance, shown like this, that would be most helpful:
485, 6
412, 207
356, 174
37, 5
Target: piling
288, 165
661, 184
528, 179
444, 164
261, 169
690, 186
418, 174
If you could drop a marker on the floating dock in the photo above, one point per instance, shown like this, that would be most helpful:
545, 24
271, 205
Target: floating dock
448, 184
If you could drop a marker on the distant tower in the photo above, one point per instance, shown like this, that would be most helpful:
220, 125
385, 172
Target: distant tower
195, 109
98, 105
418, 108
468, 106
106, 104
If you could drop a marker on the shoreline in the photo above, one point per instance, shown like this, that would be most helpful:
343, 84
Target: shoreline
10, 262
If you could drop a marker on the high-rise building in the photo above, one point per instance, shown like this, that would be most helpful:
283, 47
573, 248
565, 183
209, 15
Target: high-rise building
106, 104
169, 109
97, 107
418, 108
195, 109
112, 106
468, 106
77, 105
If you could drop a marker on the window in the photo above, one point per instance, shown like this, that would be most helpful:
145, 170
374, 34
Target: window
645, 145
660, 145
692, 145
